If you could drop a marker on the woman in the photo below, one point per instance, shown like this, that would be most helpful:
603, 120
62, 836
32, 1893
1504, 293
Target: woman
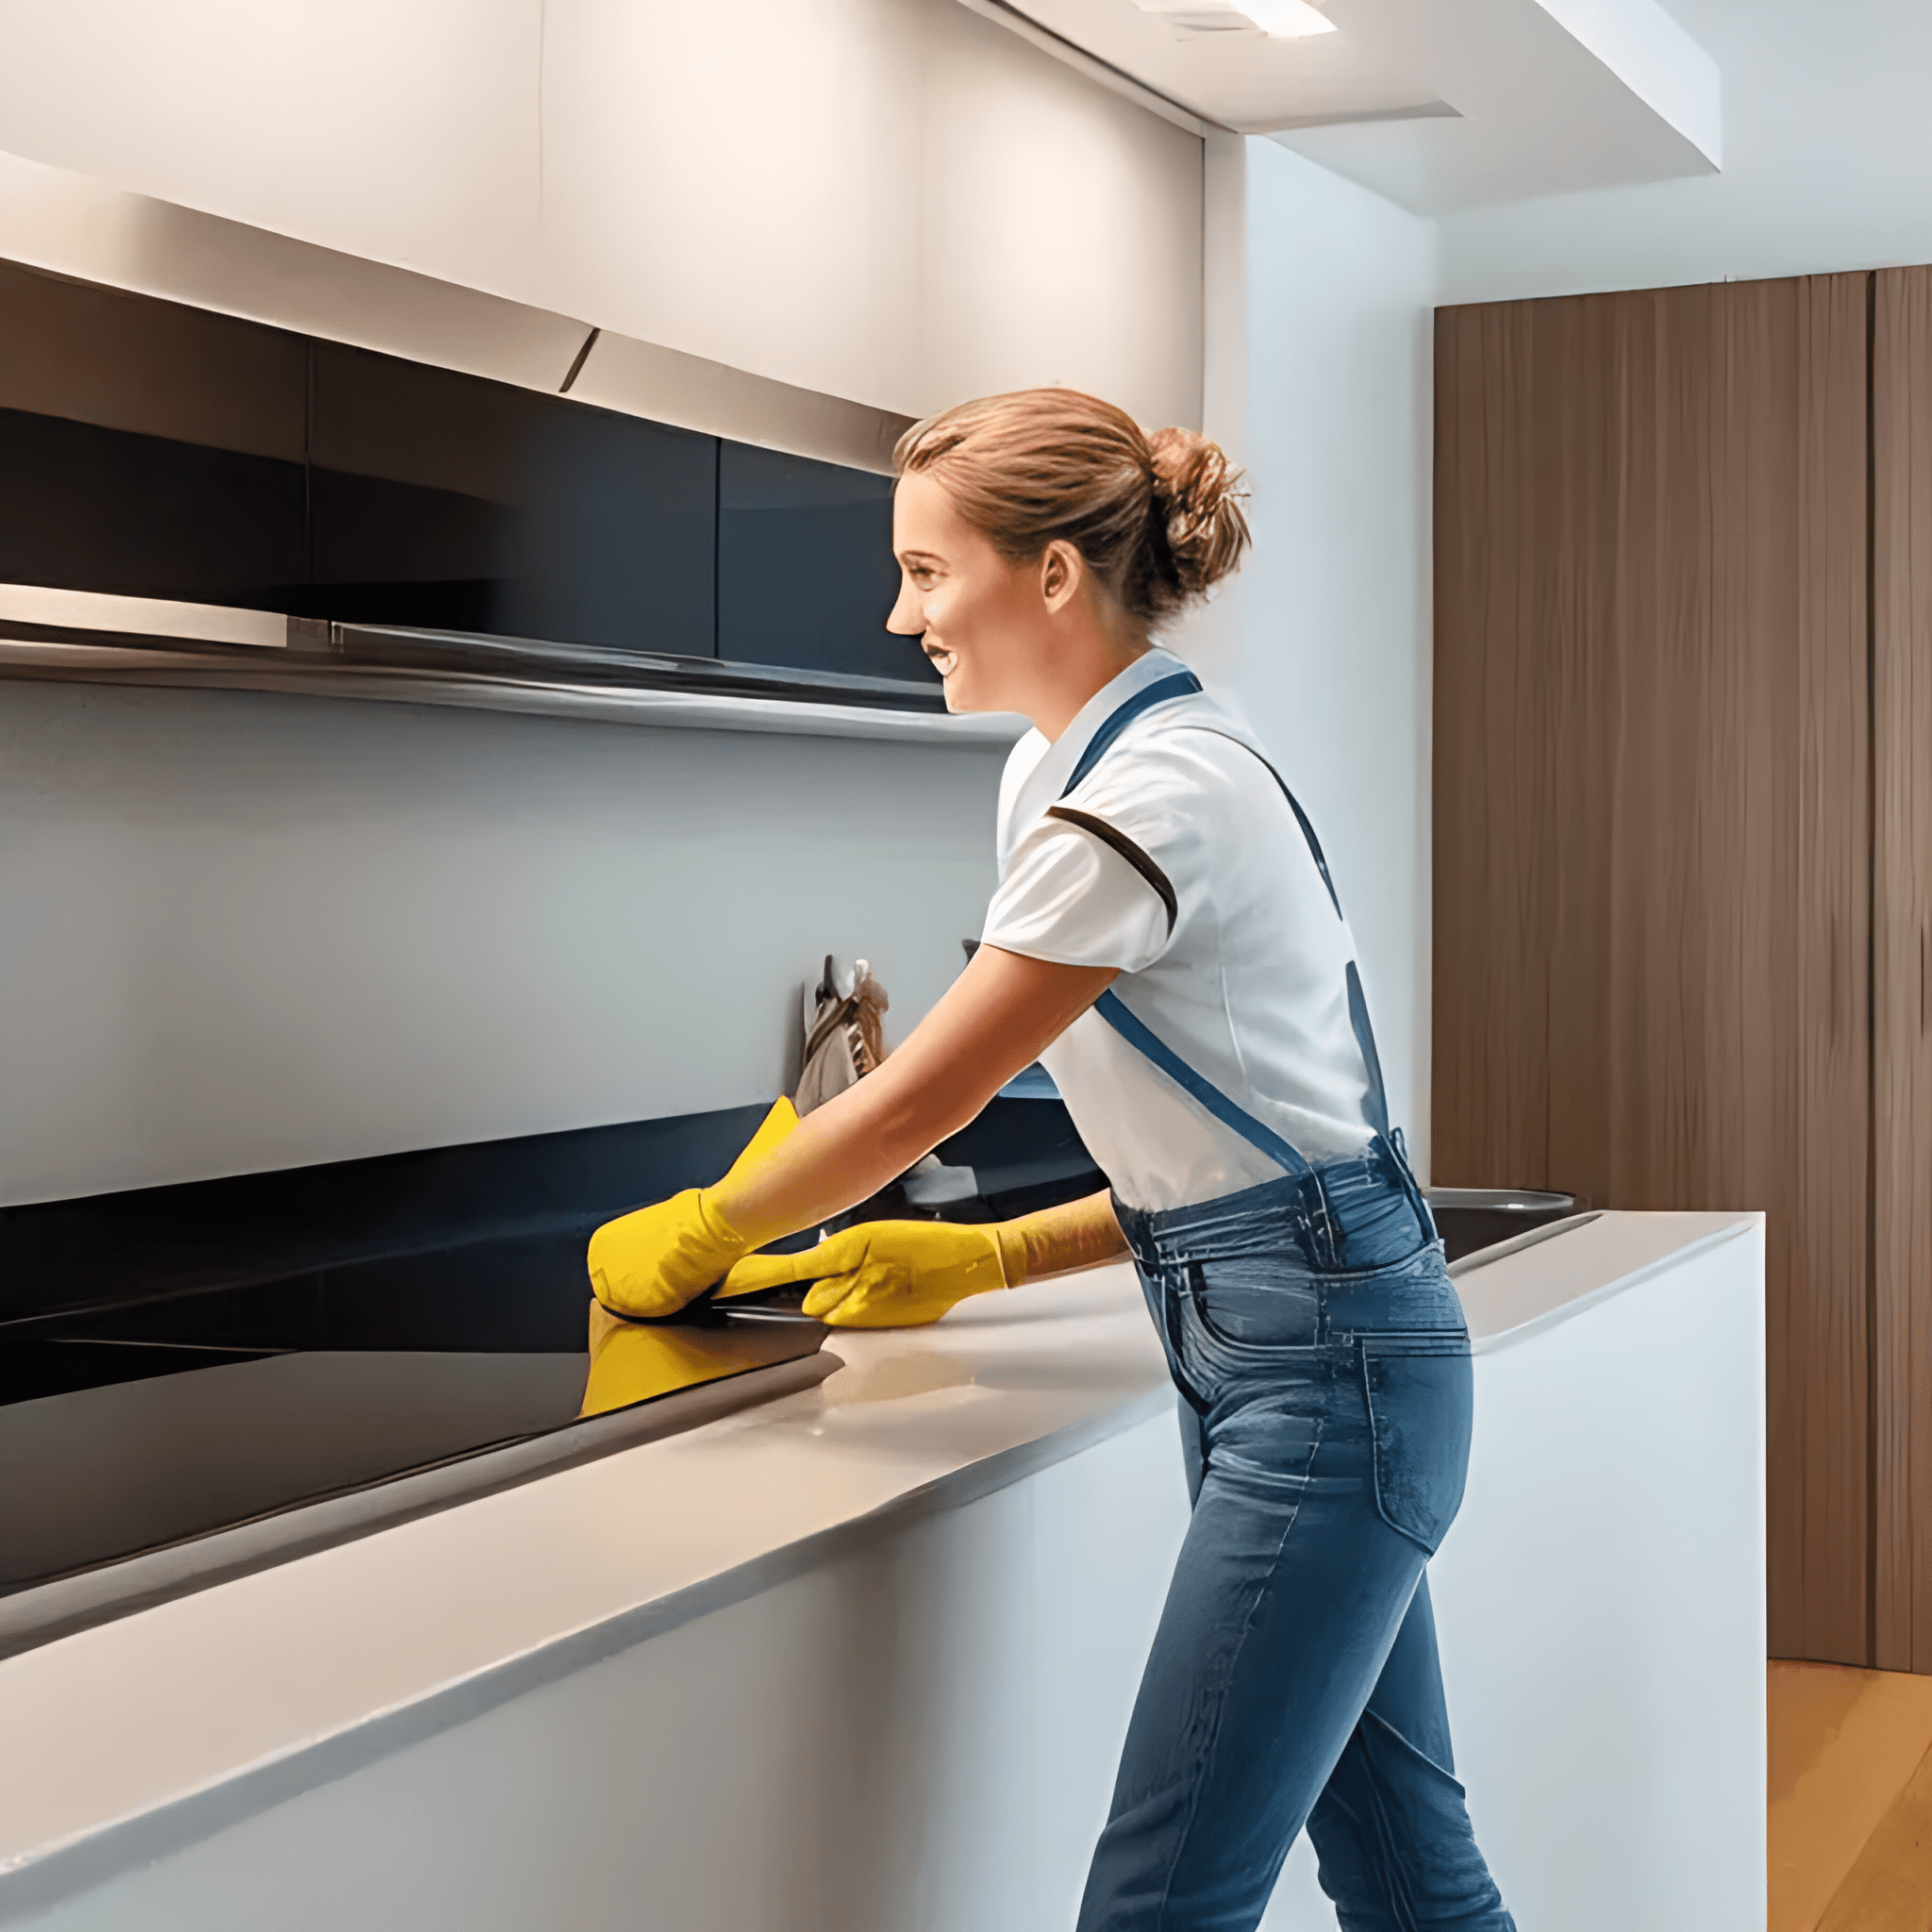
1166, 938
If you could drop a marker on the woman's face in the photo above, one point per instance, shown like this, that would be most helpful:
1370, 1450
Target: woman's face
985, 623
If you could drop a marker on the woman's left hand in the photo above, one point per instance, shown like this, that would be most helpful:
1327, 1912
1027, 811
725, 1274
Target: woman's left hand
649, 1263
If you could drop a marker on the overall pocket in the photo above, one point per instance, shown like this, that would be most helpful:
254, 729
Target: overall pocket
1420, 1391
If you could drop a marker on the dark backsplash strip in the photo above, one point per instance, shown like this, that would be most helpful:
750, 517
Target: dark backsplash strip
471, 1248
299, 1227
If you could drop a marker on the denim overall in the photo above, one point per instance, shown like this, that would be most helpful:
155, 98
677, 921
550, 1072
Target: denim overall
1324, 1369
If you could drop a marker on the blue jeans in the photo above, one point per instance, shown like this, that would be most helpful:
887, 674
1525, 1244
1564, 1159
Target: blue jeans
1325, 1375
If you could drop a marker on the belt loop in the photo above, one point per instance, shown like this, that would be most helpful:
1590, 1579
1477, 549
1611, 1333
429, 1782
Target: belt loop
1331, 1232
1406, 1177
1321, 1235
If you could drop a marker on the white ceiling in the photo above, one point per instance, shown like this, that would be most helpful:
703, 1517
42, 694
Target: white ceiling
1827, 166
1438, 107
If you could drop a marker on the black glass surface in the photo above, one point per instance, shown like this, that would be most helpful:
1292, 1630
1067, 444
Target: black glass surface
179, 1358
805, 574
356, 1254
374, 1253
449, 502
37, 1364
1470, 1219
148, 449
94, 1475
87, 509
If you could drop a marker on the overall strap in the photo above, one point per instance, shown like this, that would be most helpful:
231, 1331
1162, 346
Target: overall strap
1376, 1101
1182, 684
1136, 1032
1113, 1009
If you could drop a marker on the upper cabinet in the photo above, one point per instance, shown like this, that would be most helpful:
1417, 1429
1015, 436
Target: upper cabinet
454, 503
806, 575
148, 449
151, 449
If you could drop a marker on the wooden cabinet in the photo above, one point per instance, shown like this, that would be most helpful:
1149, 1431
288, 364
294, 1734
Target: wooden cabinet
1902, 966
1655, 952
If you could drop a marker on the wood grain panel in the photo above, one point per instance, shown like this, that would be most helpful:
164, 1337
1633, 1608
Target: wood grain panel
1824, 1038
1651, 828
1902, 940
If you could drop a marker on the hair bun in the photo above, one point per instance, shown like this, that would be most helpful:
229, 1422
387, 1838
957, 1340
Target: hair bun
1197, 498
1157, 517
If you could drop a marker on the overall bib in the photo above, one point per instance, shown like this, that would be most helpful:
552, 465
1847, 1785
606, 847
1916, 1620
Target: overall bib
1323, 1369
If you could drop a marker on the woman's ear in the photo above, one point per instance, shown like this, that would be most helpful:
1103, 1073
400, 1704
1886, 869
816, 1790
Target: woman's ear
1062, 571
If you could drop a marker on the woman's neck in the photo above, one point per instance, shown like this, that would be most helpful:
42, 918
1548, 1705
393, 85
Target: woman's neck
1063, 697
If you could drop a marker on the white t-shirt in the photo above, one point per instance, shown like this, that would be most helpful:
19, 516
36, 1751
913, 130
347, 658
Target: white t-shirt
1230, 948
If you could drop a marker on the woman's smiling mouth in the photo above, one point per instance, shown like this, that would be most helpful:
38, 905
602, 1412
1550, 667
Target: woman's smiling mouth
944, 660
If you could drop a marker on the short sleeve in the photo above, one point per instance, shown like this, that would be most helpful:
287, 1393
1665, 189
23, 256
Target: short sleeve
1067, 896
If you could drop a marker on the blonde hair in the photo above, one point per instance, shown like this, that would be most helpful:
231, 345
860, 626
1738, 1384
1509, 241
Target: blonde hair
1157, 517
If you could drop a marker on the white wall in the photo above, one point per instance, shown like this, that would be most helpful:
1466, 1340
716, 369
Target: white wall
1317, 380
846, 196
1827, 167
240, 932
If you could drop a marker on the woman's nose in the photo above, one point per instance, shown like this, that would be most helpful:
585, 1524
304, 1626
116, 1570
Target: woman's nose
907, 620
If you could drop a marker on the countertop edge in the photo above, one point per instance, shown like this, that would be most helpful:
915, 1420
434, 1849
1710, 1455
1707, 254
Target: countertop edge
47, 1612
33, 1882
1567, 1311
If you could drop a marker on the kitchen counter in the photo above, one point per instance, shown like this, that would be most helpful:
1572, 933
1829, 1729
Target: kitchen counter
124, 1741
862, 1657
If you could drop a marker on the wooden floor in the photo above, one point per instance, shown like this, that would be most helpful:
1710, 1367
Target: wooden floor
1851, 1800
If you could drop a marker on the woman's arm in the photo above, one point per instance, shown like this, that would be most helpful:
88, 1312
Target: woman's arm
1054, 1240
991, 1022
993, 1019
895, 1273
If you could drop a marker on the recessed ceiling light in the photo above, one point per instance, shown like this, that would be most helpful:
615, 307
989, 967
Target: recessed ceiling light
1287, 20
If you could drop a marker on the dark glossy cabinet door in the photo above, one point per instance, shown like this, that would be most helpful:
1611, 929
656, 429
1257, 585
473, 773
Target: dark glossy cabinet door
157, 450
450, 502
148, 448
806, 575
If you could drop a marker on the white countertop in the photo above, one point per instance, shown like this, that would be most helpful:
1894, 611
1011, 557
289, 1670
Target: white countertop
1519, 1295
120, 1741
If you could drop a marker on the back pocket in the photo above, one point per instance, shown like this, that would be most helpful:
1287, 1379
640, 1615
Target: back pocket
1420, 1391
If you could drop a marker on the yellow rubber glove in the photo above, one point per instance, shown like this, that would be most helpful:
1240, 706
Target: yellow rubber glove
897, 1274
649, 1263
631, 1364
884, 1273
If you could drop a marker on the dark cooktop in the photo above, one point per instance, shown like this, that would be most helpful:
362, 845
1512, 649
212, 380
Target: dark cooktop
200, 1378
187, 1441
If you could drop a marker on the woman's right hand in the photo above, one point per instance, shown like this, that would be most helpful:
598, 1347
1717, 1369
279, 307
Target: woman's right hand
899, 1274
882, 1274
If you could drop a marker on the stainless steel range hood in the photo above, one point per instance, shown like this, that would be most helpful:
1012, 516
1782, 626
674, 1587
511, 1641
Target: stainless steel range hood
87, 636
